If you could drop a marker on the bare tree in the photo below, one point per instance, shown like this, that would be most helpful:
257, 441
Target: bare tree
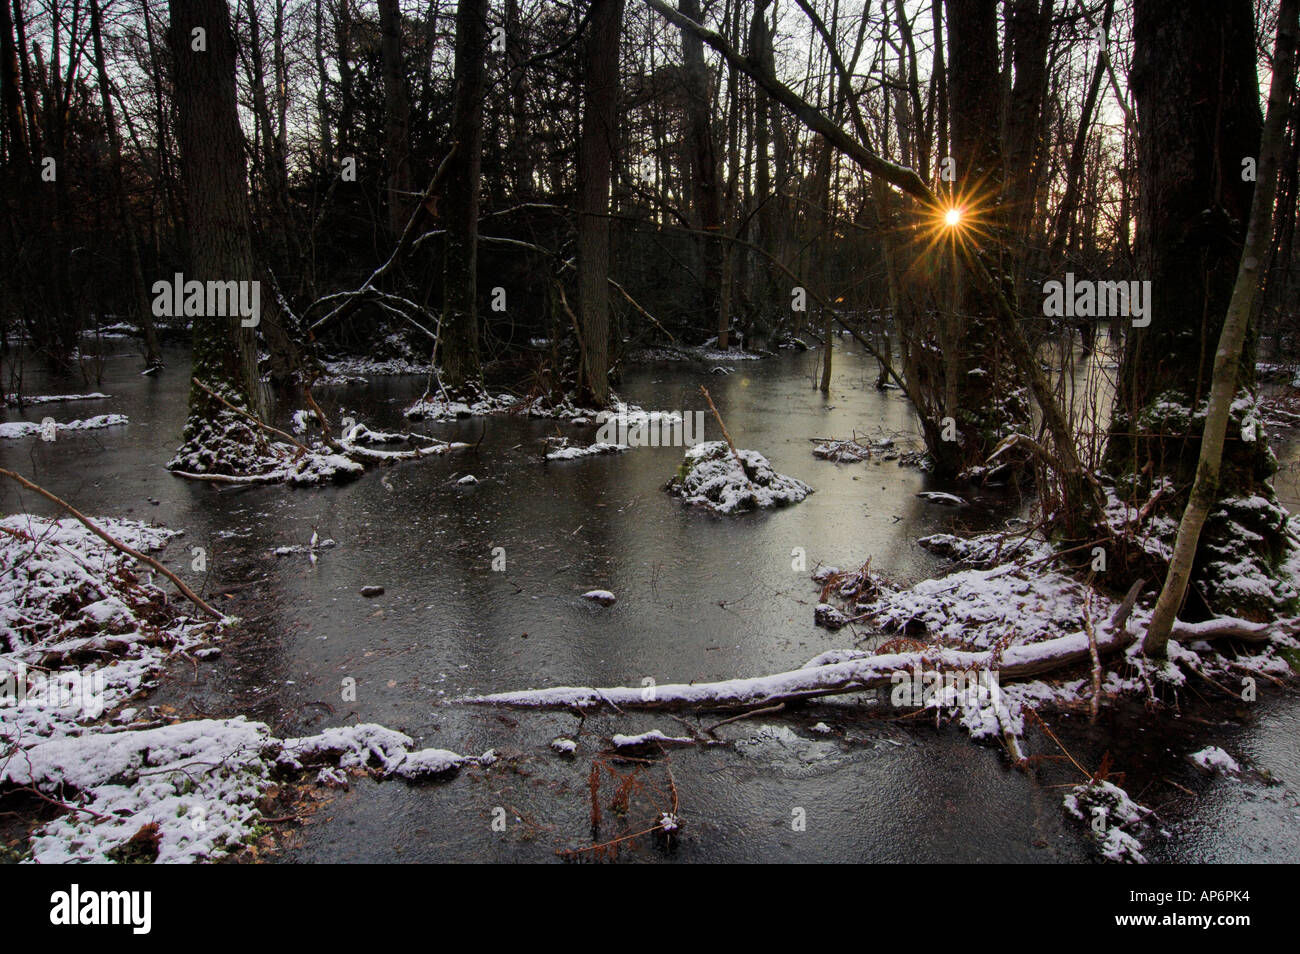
595, 163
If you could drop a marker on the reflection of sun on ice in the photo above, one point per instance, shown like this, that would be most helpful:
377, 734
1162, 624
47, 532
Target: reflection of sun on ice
952, 218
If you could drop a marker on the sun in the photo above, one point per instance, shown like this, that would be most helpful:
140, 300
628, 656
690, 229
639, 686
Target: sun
952, 218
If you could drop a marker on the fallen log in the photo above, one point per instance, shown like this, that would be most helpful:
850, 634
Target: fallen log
852, 675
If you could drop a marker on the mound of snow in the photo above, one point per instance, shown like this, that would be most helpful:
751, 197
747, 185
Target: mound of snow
1214, 759
198, 783
591, 450
437, 408
712, 477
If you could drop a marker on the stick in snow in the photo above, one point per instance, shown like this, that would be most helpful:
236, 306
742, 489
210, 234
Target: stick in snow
115, 543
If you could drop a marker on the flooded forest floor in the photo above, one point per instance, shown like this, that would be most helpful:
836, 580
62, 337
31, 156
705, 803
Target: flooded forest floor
483, 587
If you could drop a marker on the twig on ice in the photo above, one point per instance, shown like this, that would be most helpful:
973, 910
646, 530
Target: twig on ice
780, 706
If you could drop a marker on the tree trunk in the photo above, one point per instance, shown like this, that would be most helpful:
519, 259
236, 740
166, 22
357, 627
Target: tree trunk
1223, 388
706, 194
986, 388
459, 347
397, 111
322, 90
212, 152
11, 94
1198, 117
595, 162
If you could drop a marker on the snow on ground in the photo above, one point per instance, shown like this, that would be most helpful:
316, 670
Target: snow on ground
1153, 533
302, 420
712, 477
983, 607
347, 370
279, 462
712, 355
853, 450
72, 605
707, 353
83, 631
16, 429
439, 408
985, 550
644, 738
198, 782
391, 356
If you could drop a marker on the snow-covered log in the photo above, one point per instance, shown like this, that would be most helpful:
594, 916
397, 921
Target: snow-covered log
850, 675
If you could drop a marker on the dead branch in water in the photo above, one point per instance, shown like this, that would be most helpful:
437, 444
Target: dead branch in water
855, 675
114, 542
766, 710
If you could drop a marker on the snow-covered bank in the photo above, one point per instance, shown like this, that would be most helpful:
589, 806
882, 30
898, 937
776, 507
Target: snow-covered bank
71, 602
83, 631
191, 791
